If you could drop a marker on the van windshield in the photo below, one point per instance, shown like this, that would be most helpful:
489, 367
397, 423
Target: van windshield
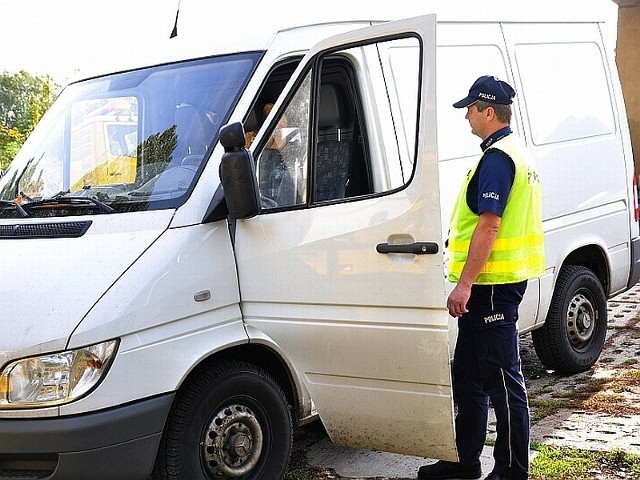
132, 141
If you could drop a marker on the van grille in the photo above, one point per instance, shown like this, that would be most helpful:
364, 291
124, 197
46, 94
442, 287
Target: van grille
44, 230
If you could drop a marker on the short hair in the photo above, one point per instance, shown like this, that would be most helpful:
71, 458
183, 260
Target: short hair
503, 112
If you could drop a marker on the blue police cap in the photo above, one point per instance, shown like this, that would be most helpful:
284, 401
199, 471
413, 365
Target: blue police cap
489, 89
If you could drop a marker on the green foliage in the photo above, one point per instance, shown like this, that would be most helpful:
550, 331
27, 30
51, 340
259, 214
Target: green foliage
563, 463
542, 408
297, 475
158, 148
23, 100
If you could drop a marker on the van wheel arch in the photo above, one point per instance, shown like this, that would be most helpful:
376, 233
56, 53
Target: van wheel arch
573, 334
595, 259
262, 357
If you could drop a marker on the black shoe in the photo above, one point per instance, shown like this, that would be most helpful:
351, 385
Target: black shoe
444, 470
493, 476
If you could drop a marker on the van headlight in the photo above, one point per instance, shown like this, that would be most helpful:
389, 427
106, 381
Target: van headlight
55, 378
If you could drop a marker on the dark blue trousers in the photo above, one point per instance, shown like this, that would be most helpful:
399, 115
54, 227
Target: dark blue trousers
486, 366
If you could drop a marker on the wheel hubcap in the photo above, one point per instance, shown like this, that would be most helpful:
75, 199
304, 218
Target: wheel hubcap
232, 443
581, 319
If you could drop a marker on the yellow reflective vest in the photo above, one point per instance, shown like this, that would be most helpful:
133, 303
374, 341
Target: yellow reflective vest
518, 252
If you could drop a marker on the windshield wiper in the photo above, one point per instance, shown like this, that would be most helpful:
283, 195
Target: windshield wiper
71, 200
18, 207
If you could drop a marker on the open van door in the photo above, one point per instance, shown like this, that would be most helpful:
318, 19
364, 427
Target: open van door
347, 280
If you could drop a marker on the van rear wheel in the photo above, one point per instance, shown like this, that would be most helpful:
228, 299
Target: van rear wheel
230, 421
572, 337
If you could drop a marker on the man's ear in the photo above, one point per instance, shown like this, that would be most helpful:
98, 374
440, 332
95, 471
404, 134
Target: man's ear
490, 113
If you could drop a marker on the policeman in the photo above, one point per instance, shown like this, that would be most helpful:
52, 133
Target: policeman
495, 246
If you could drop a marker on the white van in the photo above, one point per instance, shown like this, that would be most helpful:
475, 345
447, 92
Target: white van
156, 324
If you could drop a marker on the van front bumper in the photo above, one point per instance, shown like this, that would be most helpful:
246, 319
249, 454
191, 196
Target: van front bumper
119, 443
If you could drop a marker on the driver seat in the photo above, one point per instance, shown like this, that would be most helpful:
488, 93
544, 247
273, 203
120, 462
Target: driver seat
334, 148
194, 131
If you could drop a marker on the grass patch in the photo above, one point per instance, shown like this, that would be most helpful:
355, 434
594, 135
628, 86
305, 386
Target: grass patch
631, 377
562, 463
594, 385
612, 395
297, 475
308, 474
541, 408
565, 394
610, 403
311, 474
610, 398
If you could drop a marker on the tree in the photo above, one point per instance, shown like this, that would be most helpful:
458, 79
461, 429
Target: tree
23, 100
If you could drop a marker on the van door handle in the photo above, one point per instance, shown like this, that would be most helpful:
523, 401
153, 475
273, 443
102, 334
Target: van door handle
416, 248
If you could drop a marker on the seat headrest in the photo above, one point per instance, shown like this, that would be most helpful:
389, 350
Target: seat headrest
332, 108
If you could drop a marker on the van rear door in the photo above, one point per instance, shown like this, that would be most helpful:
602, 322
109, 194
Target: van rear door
343, 270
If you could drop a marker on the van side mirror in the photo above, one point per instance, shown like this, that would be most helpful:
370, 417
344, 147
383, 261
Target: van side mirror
238, 174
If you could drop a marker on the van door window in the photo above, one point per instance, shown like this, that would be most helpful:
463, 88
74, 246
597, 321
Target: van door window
282, 164
273, 86
341, 162
363, 135
400, 63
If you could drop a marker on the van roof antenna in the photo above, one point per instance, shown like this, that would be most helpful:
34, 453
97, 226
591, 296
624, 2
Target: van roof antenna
174, 32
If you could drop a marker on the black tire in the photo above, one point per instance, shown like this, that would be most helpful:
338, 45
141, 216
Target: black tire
572, 337
230, 421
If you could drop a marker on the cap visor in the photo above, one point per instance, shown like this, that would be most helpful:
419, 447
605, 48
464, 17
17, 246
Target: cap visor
465, 102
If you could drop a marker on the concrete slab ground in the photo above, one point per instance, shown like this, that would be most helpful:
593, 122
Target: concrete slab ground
579, 426
358, 464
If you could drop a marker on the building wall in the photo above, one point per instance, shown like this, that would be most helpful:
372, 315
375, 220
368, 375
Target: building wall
628, 61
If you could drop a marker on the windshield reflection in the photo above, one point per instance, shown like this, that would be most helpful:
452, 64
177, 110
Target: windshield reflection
132, 141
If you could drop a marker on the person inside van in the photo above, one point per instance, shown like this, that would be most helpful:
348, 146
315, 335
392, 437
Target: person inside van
495, 245
277, 140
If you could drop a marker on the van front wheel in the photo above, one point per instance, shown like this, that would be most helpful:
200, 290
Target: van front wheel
572, 337
230, 421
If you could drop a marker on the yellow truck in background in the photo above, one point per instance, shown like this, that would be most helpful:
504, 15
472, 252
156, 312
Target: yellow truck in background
103, 147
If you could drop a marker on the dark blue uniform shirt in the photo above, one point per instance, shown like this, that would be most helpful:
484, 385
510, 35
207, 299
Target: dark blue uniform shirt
488, 191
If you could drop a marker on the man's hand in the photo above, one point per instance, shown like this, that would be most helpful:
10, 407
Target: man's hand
457, 301
480, 248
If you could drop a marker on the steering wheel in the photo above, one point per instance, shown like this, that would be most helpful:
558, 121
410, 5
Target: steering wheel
268, 202
192, 161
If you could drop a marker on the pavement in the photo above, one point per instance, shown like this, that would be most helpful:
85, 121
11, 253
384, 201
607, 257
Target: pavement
353, 463
579, 426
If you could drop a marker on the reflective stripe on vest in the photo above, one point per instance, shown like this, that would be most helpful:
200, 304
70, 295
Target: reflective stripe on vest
518, 251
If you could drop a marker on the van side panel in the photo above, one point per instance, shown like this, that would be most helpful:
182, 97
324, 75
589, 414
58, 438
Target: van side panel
574, 132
